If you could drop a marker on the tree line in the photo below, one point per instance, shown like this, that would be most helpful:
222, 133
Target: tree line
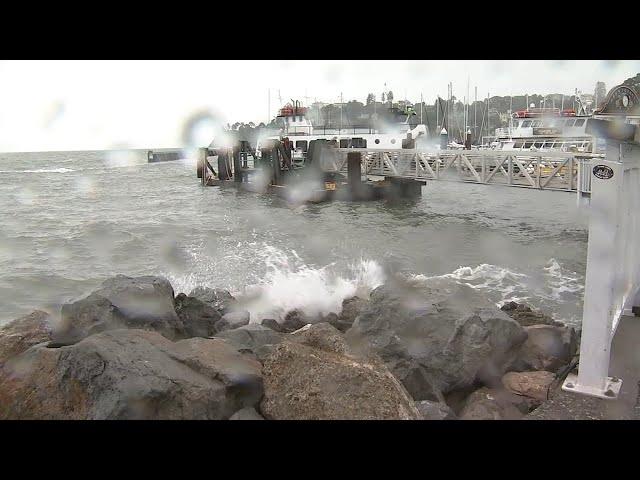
482, 117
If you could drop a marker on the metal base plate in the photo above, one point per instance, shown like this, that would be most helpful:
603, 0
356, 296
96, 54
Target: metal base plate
610, 392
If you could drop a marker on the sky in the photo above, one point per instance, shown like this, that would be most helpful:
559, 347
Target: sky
95, 105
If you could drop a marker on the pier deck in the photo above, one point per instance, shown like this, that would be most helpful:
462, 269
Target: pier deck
625, 364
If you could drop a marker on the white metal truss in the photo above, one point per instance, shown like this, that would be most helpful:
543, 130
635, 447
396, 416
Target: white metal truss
539, 170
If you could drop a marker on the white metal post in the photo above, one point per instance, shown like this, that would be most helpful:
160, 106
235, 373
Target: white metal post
603, 257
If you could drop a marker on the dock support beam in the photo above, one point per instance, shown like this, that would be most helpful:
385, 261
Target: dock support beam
202, 164
613, 266
354, 173
237, 171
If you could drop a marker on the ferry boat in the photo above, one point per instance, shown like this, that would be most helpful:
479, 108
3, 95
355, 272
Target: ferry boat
295, 127
542, 129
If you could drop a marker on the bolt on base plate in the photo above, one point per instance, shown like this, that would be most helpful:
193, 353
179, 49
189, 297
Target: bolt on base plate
610, 392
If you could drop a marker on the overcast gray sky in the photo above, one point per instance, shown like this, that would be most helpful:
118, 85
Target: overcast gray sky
76, 105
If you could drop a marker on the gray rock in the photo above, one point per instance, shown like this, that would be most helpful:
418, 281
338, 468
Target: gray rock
216, 298
251, 337
547, 348
232, 320
247, 413
435, 410
198, 318
436, 337
294, 320
121, 302
322, 336
19, 335
525, 316
334, 320
306, 383
129, 374
351, 308
272, 324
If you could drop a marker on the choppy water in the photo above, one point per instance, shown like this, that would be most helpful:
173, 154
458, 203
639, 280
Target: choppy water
71, 219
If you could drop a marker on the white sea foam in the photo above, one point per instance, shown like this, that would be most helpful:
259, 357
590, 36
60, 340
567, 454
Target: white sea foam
502, 285
289, 283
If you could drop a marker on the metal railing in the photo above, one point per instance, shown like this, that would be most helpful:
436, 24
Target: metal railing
539, 170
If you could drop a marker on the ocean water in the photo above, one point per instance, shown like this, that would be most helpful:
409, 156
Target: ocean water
68, 220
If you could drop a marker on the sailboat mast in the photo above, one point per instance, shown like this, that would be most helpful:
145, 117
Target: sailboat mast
466, 117
475, 113
488, 116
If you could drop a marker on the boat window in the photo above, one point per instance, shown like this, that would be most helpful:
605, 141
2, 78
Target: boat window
569, 123
301, 145
344, 143
579, 122
526, 123
393, 141
527, 145
516, 123
377, 141
536, 123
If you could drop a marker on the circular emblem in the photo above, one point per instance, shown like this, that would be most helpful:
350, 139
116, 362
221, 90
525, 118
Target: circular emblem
603, 172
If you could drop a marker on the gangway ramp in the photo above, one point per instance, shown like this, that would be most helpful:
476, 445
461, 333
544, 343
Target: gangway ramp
539, 170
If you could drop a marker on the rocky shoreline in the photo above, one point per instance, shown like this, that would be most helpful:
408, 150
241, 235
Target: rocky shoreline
132, 349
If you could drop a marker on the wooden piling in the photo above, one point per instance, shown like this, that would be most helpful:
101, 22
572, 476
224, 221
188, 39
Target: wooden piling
354, 172
237, 173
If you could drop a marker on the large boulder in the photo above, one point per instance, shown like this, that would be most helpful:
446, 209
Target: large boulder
322, 336
121, 302
19, 335
526, 316
129, 374
273, 324
246, 413
436, 337
198, 319
491, 404
294, 320
233, 320
219, 299
351, 308
250, 337
304, 382
435, 410
534, 385
547, 347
